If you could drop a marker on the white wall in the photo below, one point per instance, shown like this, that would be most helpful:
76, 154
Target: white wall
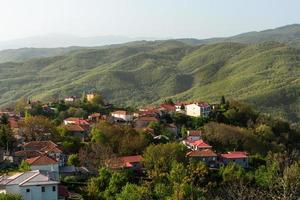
37, 194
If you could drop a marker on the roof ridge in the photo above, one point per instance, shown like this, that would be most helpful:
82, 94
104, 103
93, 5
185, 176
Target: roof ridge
31, 177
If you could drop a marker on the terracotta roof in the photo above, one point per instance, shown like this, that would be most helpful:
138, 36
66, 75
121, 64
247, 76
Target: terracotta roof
200, 144
40, 145
235, 154
131, 159
169, 107
202, 153
77, 121
28, 154
74, 128
95, 115
149, 119
194, 132
41, 160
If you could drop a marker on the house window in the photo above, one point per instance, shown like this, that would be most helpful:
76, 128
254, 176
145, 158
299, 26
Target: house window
43, 189
53, 188
27, 190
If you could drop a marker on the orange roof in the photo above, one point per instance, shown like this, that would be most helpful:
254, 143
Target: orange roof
235, 154
149, 119
43, 146
194, 132
95, 115
202, 153
74, 128
41, 160
28, 154
200, 144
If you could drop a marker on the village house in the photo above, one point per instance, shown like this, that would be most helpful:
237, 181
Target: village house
206, 155
168, 108
144, 121
95, 117
197, 145
193, 135
31, 185
45, 164
77, 131
37, 148
198, 109
180, 107
128, 162
70, 99
90, 96
122, 115
237, 157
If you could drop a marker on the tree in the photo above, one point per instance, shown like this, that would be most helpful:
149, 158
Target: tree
24, 166
223, 101
158, 159
73, 160
117, 181
37, 128
134, 192
98, 100
6, 138
10, 197
21, 105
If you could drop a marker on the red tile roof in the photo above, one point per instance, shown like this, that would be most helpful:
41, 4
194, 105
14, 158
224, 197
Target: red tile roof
127, 160
77, 121
148, 119
43, 146
202, 153
28, 154
235, 154
74, 128
169, 107
95, 115
200, 144
194, 132
41, 160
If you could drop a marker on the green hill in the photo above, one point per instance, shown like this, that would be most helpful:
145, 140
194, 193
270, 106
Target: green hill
289, 34
266, 75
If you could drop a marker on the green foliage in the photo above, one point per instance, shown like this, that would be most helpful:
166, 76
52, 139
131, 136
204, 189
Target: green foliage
134, 192
262, 74
24, 166
73, 160
158, 159
10, 197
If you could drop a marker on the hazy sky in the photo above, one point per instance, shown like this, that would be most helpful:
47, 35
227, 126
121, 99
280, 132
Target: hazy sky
143, 18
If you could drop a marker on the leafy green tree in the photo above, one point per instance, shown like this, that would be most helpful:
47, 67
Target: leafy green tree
158, 159
10, 197
232, 172
24, 166
6, 138
117, 181
134, 192
73, 160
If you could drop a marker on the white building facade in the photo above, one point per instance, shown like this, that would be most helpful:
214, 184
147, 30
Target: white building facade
31, 185
198, 109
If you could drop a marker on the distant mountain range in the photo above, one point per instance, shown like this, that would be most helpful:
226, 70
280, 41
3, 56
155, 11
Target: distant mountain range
265, 73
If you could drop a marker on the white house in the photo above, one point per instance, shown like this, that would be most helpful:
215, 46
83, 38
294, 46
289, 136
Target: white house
31, 185
45, 164
198, 109
123, 115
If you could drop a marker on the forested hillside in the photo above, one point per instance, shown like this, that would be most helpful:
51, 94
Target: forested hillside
265, 74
